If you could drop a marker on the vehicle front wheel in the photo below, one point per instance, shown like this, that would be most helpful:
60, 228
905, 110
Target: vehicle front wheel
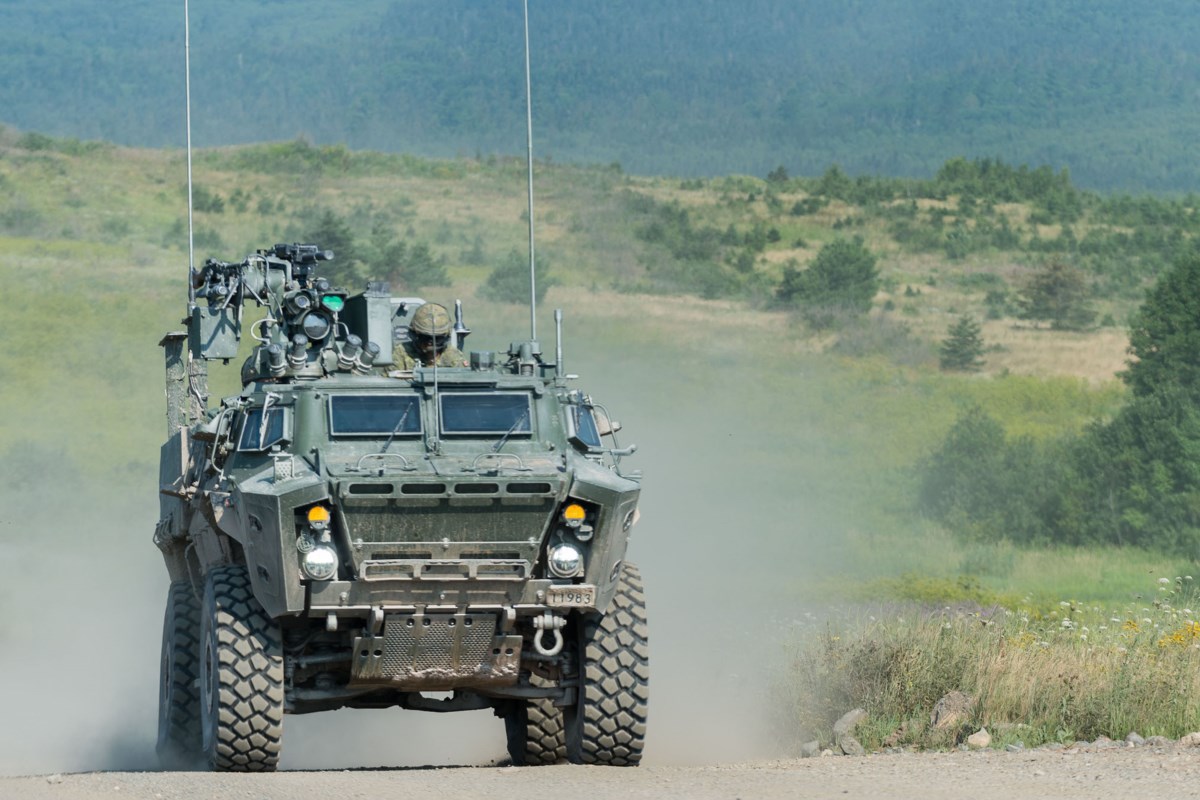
608, 723
241, 676
536, 731
179, 670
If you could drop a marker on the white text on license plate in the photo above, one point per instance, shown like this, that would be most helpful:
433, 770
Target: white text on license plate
571, 596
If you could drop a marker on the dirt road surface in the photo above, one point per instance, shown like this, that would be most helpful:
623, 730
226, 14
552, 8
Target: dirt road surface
1144, 772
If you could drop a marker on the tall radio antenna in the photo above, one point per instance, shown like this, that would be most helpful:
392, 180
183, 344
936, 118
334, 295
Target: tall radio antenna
529, 163
187, 84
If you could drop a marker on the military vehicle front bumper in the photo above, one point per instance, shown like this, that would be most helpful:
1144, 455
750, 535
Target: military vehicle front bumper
361, 598
444, 637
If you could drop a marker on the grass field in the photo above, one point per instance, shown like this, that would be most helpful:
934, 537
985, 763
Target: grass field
93, 254
780, 463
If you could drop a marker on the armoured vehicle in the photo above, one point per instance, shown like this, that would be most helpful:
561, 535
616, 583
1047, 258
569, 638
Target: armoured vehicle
342, 533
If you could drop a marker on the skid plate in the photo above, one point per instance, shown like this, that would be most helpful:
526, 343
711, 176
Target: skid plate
424, 651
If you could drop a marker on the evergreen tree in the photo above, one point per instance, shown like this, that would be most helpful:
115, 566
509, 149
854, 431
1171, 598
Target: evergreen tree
509, 281
1164, 337
420, 268
1136, 479
331, 232
843, 276
1057, 293
405, 267
962, 349
834, 183
984, 485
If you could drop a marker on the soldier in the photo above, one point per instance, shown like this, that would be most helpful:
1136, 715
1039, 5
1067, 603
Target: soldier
429, 341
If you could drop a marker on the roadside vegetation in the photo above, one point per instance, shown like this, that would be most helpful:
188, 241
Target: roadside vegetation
1034, 674
926, 372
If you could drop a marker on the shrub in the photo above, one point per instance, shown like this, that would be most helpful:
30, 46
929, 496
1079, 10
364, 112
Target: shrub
983, 486
509, 281
843, 276
1034, 676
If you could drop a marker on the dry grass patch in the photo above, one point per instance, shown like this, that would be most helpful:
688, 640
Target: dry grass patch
1037, 675
1097, 356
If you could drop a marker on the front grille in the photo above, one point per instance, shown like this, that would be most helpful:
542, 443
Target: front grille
476, 518
416, 569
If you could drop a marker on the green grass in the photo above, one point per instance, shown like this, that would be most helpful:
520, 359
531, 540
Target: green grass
84, 371
1074, 671
756, 435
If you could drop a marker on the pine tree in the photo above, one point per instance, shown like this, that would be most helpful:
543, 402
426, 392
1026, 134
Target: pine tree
962, 349
843, 275
331, 232
1056, 293
1164, 338
509, 281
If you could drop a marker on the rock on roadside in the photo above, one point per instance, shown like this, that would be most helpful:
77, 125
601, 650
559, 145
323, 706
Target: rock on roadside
952, 709
843, 732
979, 740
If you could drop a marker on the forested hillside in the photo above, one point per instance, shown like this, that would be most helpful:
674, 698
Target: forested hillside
1106, 89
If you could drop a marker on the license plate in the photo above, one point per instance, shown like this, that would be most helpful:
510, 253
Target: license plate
580, 596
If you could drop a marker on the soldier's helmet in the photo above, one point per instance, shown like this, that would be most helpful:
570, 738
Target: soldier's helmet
431, 320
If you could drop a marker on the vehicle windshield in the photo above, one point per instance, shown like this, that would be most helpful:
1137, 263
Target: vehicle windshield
486, 413
256, 435
374, 415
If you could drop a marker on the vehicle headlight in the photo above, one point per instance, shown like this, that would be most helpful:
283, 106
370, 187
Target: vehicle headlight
565, 560
320, 563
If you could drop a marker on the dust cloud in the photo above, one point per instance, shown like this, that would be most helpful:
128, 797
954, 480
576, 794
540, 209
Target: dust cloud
82, 599
722, 544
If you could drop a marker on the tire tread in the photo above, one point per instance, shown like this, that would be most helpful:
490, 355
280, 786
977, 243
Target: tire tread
610, 721
247, 722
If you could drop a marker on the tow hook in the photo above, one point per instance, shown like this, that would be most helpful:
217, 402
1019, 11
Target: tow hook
548, 622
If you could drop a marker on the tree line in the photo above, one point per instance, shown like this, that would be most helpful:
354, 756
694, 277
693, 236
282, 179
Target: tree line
881, 86
1130, 480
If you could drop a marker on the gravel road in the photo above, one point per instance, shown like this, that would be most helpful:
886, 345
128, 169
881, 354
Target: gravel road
1114, 772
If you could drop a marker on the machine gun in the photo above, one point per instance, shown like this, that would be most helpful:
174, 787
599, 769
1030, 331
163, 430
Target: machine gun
311, 328
302, 257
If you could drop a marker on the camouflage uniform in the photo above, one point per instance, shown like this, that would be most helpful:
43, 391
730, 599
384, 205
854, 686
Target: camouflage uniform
429, 323
406, 357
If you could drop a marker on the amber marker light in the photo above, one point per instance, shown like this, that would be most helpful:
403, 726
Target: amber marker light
318, 516
573, 515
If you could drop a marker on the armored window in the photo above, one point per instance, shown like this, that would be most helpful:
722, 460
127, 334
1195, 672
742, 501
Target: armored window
486, 413
581, 427
259, 435
374, 415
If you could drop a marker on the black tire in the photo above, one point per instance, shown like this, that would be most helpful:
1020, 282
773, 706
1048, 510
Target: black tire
241, 677
608, 724
536, 732
178, 681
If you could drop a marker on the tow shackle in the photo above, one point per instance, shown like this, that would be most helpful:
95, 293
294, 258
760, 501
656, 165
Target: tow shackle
548, 622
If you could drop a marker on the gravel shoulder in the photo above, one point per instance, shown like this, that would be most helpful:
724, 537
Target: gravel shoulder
1116, 772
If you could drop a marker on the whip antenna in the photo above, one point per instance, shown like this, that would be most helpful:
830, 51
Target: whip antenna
187, 90
529, 163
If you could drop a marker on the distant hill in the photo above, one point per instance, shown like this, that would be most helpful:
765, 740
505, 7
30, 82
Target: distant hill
1106, 88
